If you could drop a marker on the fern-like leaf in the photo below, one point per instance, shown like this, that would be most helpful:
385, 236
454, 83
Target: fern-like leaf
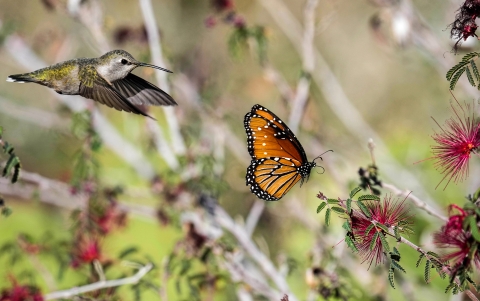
420, 260
332, 201
354, 192
475, 70
327, 216
449, 287
385, 244
346, 226
427, 271
338, 210
321, 206
456, 77
391, 278
369, 197
364, 208
349, 206
369, 228
397, 266
350, 243
374, 240
397, 234
470, 77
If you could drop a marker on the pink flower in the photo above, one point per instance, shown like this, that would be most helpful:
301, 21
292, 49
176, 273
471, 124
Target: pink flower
210, 22
387, 213
455, 222
21, 293
222, 5
460, 244
85, 251
458, 139
464, 25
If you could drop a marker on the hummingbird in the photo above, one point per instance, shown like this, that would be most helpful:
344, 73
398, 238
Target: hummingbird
106, 79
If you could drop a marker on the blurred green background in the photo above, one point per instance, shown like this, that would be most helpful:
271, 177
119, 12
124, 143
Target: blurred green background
396, 87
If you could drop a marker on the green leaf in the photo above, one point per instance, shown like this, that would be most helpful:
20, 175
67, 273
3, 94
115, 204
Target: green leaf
385, 244
1, 132
186, 264
374, 240
369, 228
473, 227
327, 217
427, 271
321, 206
456, 77
397, 235
6, 211
470, 77
364, 208
391, 277
354, 191
475, 70
395, 251
350, 243
382, 226
397, 266
369, 197
349, 206
128, 251
338, 209
346, 226
332, 201
449, 287
12, 162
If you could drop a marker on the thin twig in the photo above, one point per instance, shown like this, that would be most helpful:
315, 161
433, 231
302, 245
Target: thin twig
238, 272
252, 250
100, 285
308, 57
253, 216
417, 201
156, 51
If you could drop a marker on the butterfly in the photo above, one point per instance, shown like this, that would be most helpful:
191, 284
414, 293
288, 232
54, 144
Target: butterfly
278, 158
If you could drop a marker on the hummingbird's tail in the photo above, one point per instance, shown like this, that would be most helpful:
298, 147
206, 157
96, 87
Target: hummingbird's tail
21, 78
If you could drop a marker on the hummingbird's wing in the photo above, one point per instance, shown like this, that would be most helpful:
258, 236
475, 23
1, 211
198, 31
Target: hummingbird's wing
100, 90
140, 92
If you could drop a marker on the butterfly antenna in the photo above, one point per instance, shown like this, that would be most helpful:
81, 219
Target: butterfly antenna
320, 157
323, 169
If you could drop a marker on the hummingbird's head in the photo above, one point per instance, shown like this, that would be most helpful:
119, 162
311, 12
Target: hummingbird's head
117, 64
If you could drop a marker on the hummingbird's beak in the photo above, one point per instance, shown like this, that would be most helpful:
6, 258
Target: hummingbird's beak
152, 66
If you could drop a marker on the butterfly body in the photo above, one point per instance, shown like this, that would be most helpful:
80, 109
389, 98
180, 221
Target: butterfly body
278, 159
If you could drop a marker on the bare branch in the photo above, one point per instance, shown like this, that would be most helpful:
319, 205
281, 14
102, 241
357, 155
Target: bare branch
100, 285
247, 244
157, 58
308, 56
253, 216
416, 201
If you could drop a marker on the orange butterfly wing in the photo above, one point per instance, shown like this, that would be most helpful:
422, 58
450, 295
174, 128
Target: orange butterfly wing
278, 158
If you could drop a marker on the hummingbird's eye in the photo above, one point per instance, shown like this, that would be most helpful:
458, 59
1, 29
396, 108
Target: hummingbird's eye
124, 61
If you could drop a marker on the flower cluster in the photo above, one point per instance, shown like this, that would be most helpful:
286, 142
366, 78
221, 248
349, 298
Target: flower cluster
21, 293
85, 251
464, 25
225, 8
457, 140
462, 246
387, 213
